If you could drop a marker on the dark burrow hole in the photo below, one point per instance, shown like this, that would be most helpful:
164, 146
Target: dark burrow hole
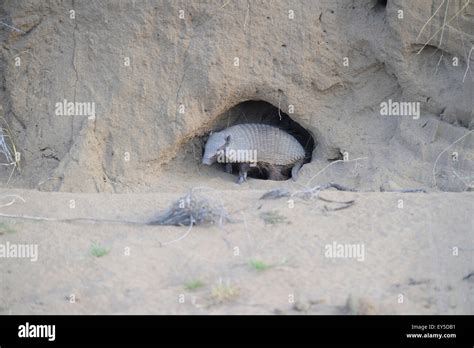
380, 5
257, 111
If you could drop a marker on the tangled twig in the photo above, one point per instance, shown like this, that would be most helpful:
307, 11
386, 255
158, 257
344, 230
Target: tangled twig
311, 193
192, 210
11, 27
445, 23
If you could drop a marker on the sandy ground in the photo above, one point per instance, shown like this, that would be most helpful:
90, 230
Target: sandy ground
143, 153
255, 265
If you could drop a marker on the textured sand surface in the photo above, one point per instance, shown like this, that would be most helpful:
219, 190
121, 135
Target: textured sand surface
408, 251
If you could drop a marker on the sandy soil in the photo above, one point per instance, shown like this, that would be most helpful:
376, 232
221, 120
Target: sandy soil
160, 84
254, 265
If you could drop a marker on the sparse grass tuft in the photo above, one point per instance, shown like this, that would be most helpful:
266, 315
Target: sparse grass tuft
224, 292
259, 265
10, 157
273, 217
359, 306
193, 285
98, 250
6, 228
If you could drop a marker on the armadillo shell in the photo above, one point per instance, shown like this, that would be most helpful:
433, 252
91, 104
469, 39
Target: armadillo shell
272, 145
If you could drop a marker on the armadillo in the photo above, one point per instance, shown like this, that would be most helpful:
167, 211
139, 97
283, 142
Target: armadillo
252, 145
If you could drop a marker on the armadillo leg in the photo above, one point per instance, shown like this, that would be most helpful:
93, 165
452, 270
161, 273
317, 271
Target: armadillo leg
228, 168
294, 171
274, 173
243, 169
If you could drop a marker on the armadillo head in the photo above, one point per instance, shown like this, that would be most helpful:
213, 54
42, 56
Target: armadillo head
215, 144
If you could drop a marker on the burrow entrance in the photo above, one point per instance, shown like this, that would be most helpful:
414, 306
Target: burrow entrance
258, 111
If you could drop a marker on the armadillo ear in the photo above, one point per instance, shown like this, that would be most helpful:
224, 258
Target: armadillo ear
227, 139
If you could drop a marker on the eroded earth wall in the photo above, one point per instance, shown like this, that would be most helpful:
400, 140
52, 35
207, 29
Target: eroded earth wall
160, 73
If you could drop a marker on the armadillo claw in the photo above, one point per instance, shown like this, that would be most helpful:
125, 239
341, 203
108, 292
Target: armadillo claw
241, 179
